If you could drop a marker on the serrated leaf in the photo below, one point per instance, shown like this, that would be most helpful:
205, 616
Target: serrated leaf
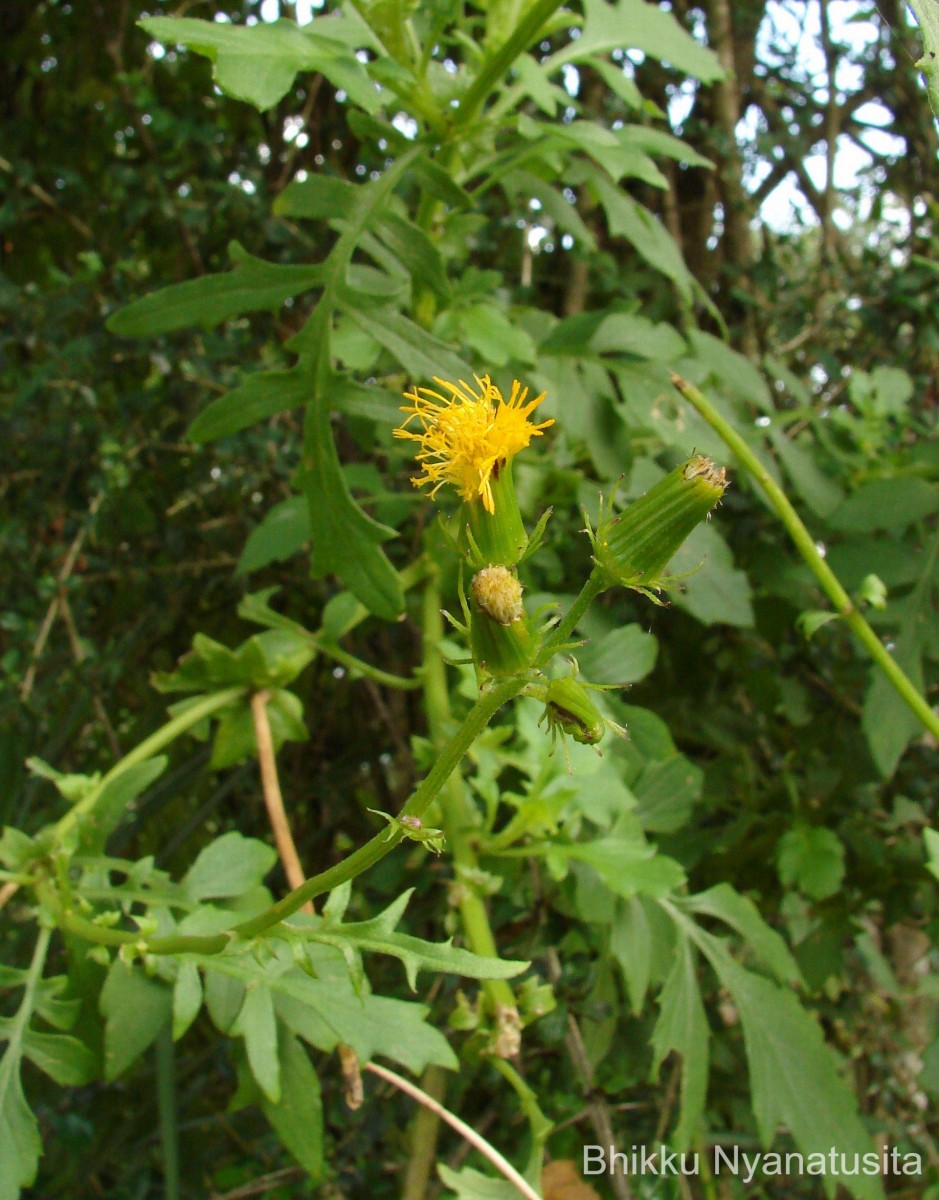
251, 286
682, 1026
327, 1010
650, 239
640, 26
187, 997
712, 589
742, 915
135, 1009
794, 1077
378, 936
228, 866
259, 63
297, 1118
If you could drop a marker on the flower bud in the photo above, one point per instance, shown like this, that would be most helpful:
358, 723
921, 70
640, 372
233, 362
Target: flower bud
569, 709
633, 548
500, 637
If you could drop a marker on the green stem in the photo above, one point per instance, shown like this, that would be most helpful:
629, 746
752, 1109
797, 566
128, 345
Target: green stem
479, 716
568, 623
829, 582
166, 1104
151, 745
496, 64
459, 815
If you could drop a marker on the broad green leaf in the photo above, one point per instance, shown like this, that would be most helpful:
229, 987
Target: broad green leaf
230, 865
892, 504
20, 1144
650, 239
414, 250
627, 867
224, 996
742, 915
258, 63
811, 858
631, 334
318, 198
813, 486
666, 792
327, 1010
812, 620
260, 396
135, 1008
490, 332
631, 946
657, 141
710, 587
282, 534
61, 1012
682, 1026
250, 286
468, 1184
794, 1076
298, 1117
17, 848
187, 997
65, 1059
640, 26
421, 354
344, 540
623, 656
378, 935
235, 737
257, 1024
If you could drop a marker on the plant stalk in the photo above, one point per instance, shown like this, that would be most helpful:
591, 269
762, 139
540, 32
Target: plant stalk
829, 582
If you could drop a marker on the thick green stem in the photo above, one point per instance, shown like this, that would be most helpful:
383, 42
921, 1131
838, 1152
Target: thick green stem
496, 65
366, 856
817, 565
459, 814
568, 623
166, 1104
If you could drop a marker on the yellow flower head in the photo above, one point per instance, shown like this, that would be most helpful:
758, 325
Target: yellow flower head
468, 435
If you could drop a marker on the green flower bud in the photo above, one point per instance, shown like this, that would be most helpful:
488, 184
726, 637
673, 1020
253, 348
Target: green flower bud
569, 710
633, 548
499, 634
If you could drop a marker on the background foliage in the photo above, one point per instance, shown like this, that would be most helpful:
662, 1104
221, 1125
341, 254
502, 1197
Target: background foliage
574, 241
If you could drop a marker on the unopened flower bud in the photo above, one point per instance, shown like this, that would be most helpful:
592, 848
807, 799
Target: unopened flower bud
633, 548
